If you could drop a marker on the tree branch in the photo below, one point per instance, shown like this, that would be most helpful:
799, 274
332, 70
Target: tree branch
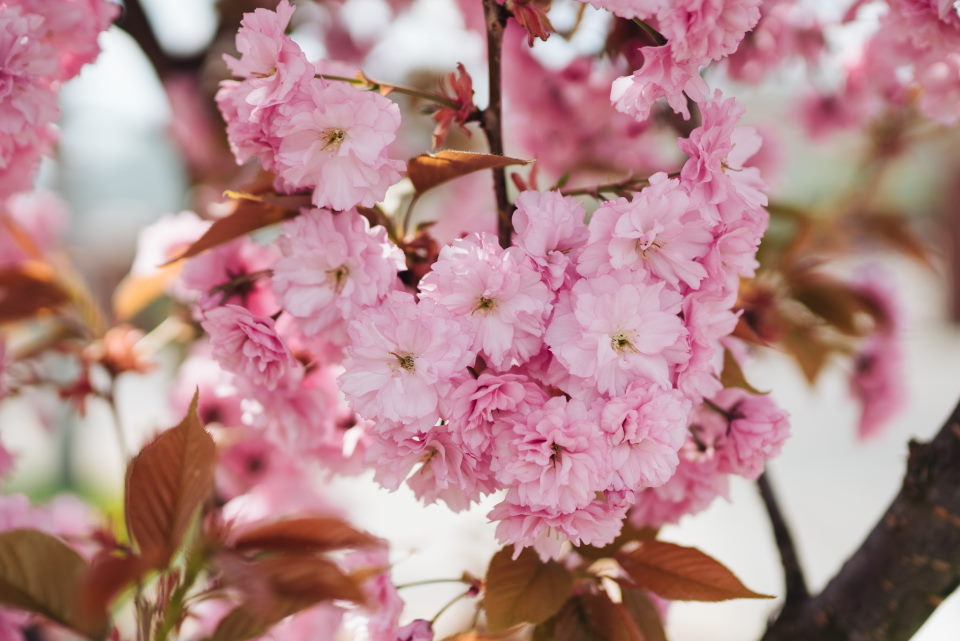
908, 564
491, 120
796, 584
134, 21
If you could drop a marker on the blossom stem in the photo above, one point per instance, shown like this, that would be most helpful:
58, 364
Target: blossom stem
374, 85
413, 584
448, 605
491, 120
794, 580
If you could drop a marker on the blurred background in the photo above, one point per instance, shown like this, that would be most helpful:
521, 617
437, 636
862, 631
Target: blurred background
120, 166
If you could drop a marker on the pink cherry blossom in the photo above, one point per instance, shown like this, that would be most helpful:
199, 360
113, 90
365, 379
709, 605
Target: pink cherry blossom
417, 630
71, 27
551, 229
613, 330
703, 30
497, 291
236, 272
551, 457
333, 265
166, 239
271, 64
248, 346
219, 401
473, 407
755, 430
661, 76
645, 428
692, 489
447, 472
402, 357
658, 232
334, 140
718, 151
642, 9
548, 531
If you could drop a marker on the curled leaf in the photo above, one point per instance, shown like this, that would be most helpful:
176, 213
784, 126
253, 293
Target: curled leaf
426, 171
28, 289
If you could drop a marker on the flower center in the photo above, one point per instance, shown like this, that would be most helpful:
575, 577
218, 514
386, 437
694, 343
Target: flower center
556, 453
332, 138
644, 246
339, 277
405, 360
485, 305
621, 342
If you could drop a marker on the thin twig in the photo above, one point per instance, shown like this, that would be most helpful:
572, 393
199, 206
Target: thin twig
491, 120
796, 584
376, 85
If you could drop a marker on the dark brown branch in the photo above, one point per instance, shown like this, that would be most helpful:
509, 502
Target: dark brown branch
905, 568
492, 117
795, 583
134, 21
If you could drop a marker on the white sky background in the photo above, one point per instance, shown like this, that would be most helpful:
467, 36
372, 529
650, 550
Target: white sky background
119, 171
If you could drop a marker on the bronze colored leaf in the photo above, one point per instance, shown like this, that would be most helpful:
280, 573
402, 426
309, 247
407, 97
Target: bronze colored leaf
28, 289
426, 171
239, 625
252, 212
277, 587
834, 301
733, 376
106, 577
807, 348
628, 533
41, 574
136, 292
682, 574
166, 483
312, 534
594, 617
523, 590
643, 613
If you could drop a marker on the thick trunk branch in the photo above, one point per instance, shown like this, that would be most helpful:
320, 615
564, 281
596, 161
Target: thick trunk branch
491, 119
905, 568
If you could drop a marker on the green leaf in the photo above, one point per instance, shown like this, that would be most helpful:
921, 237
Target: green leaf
523, 590
166, 483
682, 574
41, 574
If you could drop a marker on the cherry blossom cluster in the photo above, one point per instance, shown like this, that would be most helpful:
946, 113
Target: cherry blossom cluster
42, 45
913, 58
575, 372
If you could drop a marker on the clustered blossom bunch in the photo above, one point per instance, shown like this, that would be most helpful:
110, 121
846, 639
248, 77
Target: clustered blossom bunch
577, 361
913, 58
569, 370
42, 45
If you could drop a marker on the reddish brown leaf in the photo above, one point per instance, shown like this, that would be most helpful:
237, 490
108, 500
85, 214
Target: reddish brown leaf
628, 533
426, 171
106, 577
277, 587
523, 590
807, 348
252, 212
833, 300
594, 617
643, 613
40, 574
239, 625
166, 483
682, 574
733, 376
313, 534
136, 292
28, 289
